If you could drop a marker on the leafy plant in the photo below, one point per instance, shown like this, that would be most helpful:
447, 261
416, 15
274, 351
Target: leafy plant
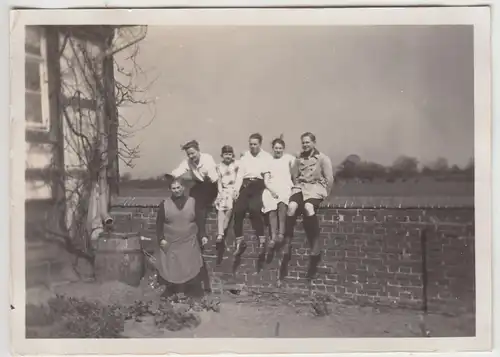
70, 317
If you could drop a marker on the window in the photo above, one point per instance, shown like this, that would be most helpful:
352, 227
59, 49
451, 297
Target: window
36, 91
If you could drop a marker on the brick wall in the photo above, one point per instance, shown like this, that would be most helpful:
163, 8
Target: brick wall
372, 255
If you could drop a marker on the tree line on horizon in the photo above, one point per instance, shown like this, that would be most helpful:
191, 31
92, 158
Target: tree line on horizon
404, 168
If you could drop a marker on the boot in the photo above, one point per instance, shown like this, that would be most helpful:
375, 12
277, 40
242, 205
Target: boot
240, 246
312, 271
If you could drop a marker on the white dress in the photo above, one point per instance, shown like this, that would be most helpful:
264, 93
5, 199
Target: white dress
280, 182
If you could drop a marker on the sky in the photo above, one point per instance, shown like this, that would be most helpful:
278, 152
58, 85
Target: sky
375, 91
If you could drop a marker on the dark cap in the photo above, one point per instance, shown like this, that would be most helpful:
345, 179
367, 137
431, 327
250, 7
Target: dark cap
227, 149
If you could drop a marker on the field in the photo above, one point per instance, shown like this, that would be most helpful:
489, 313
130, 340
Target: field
411, 188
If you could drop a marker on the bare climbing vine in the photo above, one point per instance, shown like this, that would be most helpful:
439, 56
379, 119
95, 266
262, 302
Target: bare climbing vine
91, 86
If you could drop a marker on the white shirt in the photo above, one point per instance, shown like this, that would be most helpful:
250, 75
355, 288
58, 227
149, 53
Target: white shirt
206, 167
252, 167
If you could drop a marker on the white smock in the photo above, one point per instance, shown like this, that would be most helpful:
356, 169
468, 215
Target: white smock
280, 181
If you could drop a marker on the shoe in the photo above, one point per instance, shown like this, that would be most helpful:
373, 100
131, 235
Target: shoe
219, 242
272, 243
240, 248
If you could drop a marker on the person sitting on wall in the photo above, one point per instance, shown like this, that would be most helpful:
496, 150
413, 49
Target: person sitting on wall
275, 198
312, 177
178, 253
203, 170
250, 184
227, 171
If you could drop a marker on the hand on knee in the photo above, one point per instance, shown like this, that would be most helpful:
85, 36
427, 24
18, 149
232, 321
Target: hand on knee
309, 209
292, 209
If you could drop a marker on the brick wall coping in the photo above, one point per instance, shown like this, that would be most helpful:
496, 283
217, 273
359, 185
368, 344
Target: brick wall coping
372, 202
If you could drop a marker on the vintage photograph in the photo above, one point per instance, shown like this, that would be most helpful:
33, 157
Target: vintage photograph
251, 181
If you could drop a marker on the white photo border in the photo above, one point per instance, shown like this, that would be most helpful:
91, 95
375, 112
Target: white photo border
479, 17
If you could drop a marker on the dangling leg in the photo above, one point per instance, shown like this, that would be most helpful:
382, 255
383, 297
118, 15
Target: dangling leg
221, 218
240, 209
204, 194
227, 219
201, 192
220, 245
282, 213
311, 227
255, 205
257, 221
200, 213
290, 221
273, 223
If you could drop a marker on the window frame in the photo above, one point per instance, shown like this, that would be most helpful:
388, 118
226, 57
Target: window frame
41, 59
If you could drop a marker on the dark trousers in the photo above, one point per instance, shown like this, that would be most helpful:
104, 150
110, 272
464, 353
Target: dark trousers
204, 194
249, 200
311, 223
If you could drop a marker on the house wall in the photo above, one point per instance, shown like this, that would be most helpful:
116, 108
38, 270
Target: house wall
78, 70
55, 159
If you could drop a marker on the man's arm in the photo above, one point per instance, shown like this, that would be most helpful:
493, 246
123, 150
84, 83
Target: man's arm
181, 169
291, 165
327, 169
219, 180
240, 173
294, 170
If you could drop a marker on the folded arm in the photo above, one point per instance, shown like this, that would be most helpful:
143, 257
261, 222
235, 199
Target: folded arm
180, 170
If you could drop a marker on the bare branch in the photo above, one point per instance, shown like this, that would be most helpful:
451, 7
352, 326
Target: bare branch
81, 80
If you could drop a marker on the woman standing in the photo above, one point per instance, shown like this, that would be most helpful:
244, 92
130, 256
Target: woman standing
178, 254
278, 190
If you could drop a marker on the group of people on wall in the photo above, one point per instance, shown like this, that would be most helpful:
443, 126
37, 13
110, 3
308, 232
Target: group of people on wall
277, 185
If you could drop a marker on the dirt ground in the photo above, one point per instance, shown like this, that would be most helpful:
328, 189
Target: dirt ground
261, 320
269, 315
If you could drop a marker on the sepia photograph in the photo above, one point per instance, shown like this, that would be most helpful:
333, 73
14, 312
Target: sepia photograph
219, 175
